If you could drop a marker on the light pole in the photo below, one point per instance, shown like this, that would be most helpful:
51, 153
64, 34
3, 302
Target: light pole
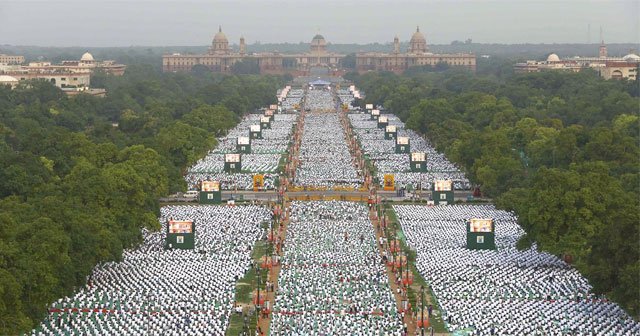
422, 310
258, 296
400, 260
407, 273
245, 327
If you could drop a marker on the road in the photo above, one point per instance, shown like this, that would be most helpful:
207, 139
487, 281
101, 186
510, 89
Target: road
271, 195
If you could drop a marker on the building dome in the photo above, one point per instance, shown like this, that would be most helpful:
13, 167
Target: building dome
418, 43
8, 80
631, 58
220, 37
318, 44
87, 57
418, 36
220, 44
553, 58
4, 79
318, 40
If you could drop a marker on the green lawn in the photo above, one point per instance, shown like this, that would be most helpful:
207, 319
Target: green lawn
414, 292
244, 291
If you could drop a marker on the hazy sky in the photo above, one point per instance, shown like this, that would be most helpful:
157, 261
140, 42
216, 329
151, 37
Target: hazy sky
100, 23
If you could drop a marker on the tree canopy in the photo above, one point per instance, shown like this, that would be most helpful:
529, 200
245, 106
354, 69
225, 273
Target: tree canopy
80, 177
559, 149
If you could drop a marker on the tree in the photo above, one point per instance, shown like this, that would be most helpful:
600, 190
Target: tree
349, 61
246, 66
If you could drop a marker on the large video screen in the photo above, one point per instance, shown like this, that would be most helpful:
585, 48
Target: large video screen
389, 180
369, 106
391, 129
210, 186
243, 140
481, 225
232, 157
255, 128
383, 119
402, 141
442, 185
273, 107
375, 112
268, 113
264, 119
180, 226
418, 157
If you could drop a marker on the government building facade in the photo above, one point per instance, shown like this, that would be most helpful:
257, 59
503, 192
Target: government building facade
221, 58
606, 66
417, 55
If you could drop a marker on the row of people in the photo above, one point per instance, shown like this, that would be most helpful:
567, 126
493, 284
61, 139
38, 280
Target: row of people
382, 153
503, 291
293, 100
324, 156
332, 279
319, 99
265, 155
159, 291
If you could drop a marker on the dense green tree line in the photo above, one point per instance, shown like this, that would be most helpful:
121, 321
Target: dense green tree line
560, 149
80, 177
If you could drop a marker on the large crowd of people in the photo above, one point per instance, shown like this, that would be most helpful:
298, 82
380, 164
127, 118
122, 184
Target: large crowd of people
319, 99
324, 155
264, 158
382, 153
503, 291
332, 280
345, 97
158, 291
292, 100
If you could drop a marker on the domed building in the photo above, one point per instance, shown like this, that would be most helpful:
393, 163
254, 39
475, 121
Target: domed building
86, 58
418, 43
318, 45
220, 44
221, 58
553, 58
417, 55
608, 67
72, 76
8, 80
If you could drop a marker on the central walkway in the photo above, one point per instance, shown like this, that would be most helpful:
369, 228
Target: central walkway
332, 279
325, 160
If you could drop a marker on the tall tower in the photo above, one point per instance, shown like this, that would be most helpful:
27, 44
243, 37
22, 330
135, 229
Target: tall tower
396, 45
603, 47
243, 48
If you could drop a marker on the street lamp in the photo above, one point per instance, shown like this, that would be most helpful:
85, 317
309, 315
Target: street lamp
407, 273
405, 304
400, 259
422, 310
258, 296
245, 325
